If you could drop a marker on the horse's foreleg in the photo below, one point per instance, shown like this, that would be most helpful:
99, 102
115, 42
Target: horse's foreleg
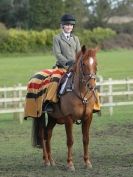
50, 126
68, 127
85, 132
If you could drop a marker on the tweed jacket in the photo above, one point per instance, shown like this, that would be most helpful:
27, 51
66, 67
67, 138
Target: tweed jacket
64, 49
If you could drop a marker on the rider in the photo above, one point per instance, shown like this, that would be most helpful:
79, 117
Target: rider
65, 47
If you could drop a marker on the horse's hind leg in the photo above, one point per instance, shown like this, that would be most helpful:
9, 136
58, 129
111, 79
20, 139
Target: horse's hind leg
50, 126
42, 134
85, 132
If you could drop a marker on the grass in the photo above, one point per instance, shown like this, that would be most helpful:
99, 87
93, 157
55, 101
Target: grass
116, 64
110, 146
19, 68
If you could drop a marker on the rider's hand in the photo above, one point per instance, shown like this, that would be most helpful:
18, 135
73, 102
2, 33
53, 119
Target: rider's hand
69, 63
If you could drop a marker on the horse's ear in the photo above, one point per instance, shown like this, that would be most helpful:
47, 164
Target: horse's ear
97, 49
83, 49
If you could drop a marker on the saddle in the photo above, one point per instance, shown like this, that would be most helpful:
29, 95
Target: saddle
65, 84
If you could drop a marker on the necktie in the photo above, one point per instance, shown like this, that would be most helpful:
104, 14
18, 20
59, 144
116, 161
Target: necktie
68, 37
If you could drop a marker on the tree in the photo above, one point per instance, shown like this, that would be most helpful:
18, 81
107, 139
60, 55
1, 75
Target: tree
78, 9
45, 14
123, 8
14, 13
21, 13
5, 6
100, 11
39, 14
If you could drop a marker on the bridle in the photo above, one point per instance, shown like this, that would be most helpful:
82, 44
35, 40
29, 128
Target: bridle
85, 77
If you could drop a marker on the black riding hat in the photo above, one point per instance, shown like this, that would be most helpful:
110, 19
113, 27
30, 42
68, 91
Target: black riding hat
68, 19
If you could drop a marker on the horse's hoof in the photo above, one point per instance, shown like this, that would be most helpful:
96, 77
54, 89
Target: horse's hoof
88, 165
47, 164
52, 163
71, 168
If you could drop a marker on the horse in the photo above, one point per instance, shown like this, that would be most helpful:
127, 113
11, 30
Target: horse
72, 106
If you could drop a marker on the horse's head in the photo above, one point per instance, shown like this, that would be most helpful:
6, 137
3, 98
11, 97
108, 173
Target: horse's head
87, 66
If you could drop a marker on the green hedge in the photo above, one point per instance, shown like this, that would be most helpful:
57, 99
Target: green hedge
122, 28
31, 41
96, 36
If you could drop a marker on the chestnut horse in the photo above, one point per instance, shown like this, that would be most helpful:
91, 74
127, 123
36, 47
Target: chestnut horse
75, 105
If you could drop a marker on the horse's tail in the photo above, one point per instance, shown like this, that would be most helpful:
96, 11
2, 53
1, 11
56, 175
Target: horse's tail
38, 126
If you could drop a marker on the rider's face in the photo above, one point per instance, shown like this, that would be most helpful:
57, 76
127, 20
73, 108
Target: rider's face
67, 28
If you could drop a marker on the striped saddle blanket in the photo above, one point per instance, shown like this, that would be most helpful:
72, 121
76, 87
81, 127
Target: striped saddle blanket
37, 90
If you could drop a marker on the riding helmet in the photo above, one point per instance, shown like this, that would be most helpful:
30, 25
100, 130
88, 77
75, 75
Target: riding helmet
68, 19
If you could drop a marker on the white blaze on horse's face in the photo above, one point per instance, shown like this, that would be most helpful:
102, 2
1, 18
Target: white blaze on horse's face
91, 61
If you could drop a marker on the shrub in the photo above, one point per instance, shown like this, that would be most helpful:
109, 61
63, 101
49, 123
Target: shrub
18, 41
2, 26
122, 28
50, 35
3, 38
31, 41
37, 40
95, 37
119, 41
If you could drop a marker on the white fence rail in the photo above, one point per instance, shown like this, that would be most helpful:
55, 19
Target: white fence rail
12, 100
115, 92
112, 93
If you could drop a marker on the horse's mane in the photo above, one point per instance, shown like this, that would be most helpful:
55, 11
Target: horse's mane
91, 52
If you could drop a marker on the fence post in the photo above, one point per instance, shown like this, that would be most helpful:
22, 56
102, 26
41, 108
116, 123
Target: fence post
15, 115
5, 96
100, 87
128, 89
110, 97
20, 94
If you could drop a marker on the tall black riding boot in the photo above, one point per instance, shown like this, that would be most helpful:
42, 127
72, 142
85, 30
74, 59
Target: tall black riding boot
48, 107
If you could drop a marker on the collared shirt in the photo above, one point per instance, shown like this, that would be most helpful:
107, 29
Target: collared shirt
67, 35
